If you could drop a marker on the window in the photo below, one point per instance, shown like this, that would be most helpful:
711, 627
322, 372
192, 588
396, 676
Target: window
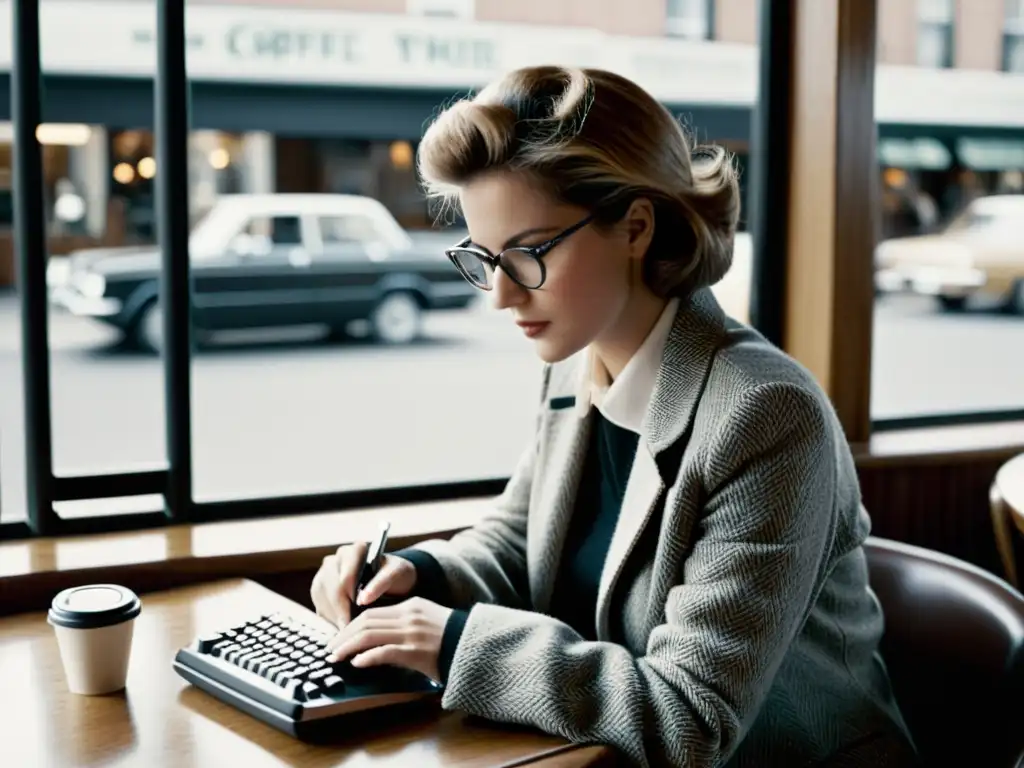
1013, 37
262, 233
935, 22
949, 265
458, 9
315, 380
690, 19
348, 229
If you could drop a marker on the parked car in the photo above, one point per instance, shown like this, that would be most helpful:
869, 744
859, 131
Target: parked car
979, 254
266, 261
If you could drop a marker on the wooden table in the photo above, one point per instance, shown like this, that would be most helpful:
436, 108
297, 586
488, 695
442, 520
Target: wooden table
1007, 503
160, 720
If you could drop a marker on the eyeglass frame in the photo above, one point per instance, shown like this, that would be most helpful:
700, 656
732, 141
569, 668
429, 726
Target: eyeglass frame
536, 252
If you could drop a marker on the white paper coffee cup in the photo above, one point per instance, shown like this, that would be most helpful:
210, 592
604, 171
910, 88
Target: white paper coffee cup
94, 626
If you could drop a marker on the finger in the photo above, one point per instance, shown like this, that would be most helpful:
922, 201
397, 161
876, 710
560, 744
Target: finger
381, 581
360, 625
397, 655
385, 612
350, 559
364, 641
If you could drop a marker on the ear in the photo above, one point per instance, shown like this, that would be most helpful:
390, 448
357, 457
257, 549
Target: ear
639, 226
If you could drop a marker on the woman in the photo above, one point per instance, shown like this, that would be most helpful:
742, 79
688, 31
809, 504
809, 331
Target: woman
675, 567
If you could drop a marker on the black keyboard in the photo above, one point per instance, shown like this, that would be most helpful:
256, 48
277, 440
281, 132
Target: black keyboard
275, 668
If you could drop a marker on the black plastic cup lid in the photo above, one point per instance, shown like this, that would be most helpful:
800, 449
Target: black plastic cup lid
94, 605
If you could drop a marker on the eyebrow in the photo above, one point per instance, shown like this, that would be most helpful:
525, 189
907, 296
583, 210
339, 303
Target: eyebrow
517, 239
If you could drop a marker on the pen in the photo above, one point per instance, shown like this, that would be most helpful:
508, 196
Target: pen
374, 558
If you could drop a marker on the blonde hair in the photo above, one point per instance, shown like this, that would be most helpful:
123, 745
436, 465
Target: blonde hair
597, 140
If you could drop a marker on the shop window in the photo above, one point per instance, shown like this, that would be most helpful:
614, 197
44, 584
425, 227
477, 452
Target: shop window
1013, 36
690, 19
935, 33
452, 9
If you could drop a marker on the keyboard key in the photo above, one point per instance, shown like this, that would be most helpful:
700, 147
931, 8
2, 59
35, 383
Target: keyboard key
270, 670
245, 657
306, 661
218, 648
253, 663
333, 684
311, 690
279, 674
293, 690
263, 666
207, 642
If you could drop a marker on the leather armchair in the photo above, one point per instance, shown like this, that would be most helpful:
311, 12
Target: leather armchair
954, 647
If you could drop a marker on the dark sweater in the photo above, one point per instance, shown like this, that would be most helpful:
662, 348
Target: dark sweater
596, 511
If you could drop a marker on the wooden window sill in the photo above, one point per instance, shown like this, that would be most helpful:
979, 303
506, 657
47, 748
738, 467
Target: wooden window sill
930, 445
32, 571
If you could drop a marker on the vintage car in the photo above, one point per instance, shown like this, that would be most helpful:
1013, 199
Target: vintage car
979, 254
269, 261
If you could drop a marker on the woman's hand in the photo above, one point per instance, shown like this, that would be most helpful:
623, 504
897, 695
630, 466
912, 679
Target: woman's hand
334, 585
405, 635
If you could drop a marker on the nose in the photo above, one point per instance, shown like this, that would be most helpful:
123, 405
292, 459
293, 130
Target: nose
506, 292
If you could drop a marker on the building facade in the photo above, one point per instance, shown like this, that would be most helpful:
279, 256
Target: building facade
332, 95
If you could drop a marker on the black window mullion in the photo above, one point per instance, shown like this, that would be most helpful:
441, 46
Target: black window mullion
30, 247
769, 170
172, 215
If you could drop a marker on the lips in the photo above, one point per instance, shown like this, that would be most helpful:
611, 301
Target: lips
532, 329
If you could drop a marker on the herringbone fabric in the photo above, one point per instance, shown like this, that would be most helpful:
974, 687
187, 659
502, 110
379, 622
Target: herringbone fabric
743, 632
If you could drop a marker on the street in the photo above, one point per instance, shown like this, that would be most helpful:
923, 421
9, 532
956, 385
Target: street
295, 415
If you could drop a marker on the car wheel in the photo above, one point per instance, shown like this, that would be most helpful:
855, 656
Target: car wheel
397, 319
953, 303
148, 332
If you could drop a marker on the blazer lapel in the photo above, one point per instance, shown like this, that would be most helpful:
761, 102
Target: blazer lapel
560, 464
642, 491
686, 361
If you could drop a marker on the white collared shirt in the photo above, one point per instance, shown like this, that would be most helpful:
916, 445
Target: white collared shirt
624, 401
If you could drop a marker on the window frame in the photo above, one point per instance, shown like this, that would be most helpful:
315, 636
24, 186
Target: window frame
772, 256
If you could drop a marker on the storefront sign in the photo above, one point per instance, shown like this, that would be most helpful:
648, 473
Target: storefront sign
307, 46
275, 45
248, 42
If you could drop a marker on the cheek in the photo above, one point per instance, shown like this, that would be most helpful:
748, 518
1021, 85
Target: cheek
588, 288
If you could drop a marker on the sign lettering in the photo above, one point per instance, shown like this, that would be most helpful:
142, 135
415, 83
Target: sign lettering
431, 50
246, 42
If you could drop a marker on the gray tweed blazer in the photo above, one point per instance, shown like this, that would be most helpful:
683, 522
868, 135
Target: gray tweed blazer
734, 619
